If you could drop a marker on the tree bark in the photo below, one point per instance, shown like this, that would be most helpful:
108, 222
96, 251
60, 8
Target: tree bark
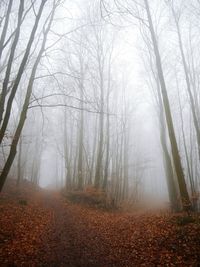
185, 200
13, 149
20, 72
187, 79
5, 27
10, 61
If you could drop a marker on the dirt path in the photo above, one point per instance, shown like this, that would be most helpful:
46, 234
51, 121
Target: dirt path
84, 237
72, 243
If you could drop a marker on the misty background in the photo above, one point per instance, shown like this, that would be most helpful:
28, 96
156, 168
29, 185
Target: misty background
98, 63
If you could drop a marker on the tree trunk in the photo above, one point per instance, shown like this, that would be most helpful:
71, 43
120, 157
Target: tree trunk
5, 27
20, 73
185, 67
13, 149
80, 152
186, 204
10, 62
19, 164
98, 173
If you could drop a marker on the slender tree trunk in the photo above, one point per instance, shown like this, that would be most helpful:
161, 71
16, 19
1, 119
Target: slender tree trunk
19, 164
10, 62
66, 153
20, 72
105, 181
186, 204
5, 27
125, 164
186, 71
80, 152
192, 186
98, 173
93, 153
172, 190
13, 149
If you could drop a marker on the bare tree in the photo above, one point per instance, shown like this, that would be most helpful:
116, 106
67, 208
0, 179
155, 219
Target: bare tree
175, 153
23, 114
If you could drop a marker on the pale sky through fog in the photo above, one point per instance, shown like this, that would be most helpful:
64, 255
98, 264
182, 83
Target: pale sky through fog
144, 137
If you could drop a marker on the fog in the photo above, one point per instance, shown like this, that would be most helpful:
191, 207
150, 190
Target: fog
113, 101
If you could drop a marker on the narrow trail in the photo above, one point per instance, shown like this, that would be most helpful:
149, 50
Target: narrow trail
85, 237
72, 243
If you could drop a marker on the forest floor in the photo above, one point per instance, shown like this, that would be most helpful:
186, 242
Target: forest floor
41, 228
